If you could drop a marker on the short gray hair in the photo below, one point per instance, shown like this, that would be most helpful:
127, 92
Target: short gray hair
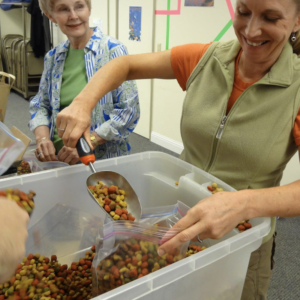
47, 5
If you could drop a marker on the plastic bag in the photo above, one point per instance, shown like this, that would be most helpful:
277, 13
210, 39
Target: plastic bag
38, 166
63, 231
166, 216
128, 251
10, 148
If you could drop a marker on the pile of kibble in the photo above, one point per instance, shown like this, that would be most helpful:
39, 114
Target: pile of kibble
112, 199
41, 278
134, 259
23, 168
24, 200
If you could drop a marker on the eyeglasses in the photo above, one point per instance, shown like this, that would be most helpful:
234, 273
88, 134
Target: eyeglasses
65, 10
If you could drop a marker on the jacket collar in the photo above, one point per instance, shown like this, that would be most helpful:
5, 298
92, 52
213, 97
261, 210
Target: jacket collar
92, 45
281, 73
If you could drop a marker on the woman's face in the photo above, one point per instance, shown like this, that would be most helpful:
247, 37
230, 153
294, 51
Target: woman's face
72, 17
264, 26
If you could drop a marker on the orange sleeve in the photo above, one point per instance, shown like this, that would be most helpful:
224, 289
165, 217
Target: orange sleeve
296, 131
184, 59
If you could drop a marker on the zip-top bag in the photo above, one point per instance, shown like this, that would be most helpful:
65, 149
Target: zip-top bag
128, 251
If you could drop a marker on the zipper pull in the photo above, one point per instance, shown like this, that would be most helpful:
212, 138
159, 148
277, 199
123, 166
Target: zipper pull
221, 128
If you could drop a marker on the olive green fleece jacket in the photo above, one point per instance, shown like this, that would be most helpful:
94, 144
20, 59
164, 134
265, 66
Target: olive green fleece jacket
250, 147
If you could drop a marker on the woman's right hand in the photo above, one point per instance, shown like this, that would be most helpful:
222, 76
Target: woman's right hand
45, 150
13, 235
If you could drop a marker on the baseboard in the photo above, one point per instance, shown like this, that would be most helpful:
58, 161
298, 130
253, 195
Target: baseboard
166, 142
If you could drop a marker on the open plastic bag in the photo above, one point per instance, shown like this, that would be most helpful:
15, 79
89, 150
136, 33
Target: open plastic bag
166, 216
10, 148
128, 251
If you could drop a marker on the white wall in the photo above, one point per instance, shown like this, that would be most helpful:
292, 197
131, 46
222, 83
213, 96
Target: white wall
11, 22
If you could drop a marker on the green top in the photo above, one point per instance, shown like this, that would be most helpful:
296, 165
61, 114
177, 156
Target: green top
74, 79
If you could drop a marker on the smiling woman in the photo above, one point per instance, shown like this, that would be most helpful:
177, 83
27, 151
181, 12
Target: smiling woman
67, 69
240, 122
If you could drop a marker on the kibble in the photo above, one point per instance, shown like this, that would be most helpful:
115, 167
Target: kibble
112, 199
25, 201
214, 188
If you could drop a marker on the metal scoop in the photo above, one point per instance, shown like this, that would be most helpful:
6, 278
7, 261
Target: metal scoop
109, 178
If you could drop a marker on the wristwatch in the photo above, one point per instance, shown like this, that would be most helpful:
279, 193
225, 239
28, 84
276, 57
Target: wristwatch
94, 140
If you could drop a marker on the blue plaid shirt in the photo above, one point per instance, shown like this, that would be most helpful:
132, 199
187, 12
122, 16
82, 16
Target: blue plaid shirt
114, 117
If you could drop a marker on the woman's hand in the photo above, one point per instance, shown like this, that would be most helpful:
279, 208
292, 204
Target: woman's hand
68, 155
73, 121
212, 217
45, 150
13, 235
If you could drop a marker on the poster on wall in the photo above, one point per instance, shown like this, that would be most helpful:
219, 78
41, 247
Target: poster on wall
199, 2
135, 23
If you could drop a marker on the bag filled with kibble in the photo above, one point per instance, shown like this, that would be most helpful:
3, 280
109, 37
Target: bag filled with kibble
128, 251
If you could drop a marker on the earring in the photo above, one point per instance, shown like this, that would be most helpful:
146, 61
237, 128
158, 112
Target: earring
293, 37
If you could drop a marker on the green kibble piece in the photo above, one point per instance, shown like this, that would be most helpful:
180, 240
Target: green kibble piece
150, 261
162, 262
126, 280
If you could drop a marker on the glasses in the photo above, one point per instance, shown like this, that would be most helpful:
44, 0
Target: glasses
65, 10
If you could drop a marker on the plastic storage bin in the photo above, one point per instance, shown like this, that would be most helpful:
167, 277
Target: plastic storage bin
216, 273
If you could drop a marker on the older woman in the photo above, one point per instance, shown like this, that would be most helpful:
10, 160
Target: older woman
68, 68
240, 121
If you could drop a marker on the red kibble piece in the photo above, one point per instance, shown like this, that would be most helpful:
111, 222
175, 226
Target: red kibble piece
133, 273
93, 248
112, 190
124, 211
210, 188
141, 275
247, 225
134, 261
74, 267
3, 194
107, 208
127, 261
136, 247
118, 211
88, 263
30, 256
124, 216
46, 267
53, 258
145, 272
145, 258
54, 295
84, 267
88, 282
35, 282
107, 201
144, 265
241, 228
62, 292
46, 259
13, 279
131, 218
82, 262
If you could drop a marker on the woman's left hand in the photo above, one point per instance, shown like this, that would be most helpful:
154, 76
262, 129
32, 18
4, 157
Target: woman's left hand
212, 217
68, 155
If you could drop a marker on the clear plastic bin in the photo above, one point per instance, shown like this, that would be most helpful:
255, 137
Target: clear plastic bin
215, 273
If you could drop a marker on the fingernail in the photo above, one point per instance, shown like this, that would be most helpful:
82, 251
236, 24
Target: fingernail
160, 252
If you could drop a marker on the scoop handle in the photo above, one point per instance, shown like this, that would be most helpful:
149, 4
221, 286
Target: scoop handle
85, 152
